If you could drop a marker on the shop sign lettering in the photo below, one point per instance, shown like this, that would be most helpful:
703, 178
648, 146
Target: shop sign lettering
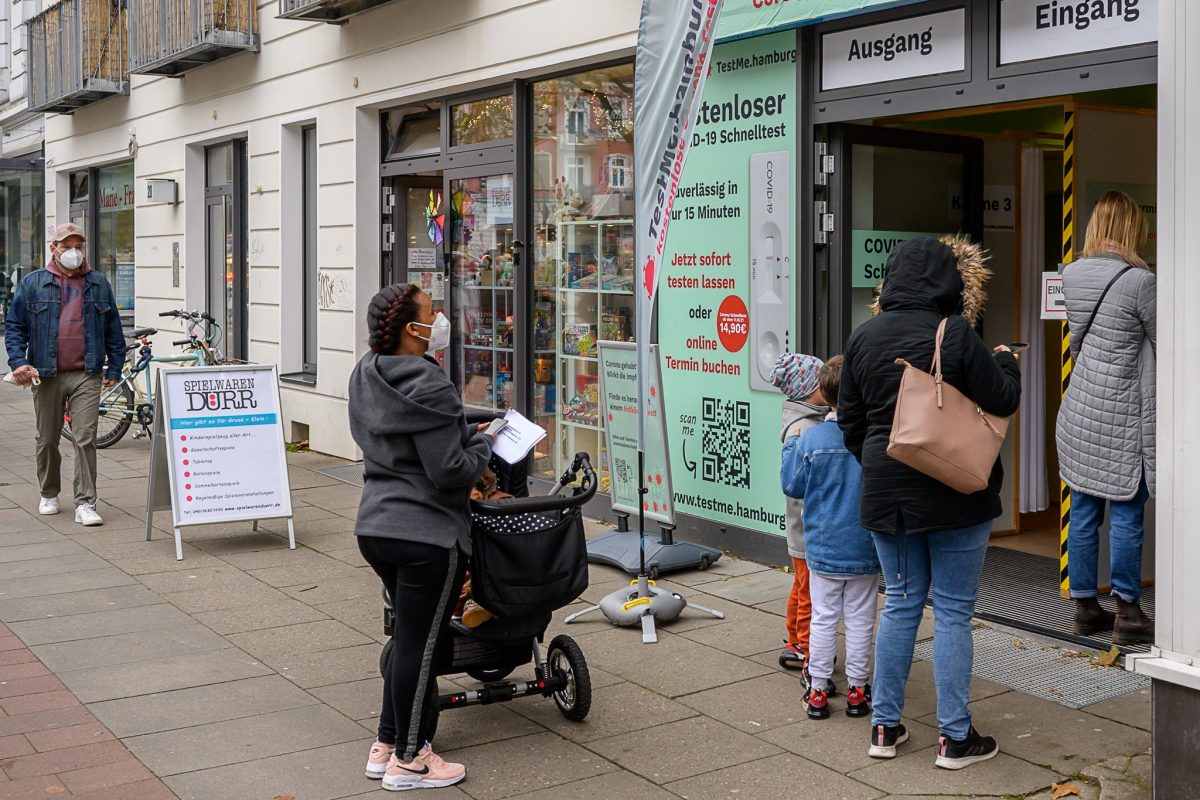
1034, 29
932, 44
869, 251
1054, 300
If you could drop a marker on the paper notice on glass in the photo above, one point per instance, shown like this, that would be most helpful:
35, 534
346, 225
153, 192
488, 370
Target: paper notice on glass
517, 438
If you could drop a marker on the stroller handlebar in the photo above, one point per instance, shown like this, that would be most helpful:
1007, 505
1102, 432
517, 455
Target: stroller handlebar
553, 501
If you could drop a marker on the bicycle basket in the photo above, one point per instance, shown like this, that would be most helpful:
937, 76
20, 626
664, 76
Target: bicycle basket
527, 564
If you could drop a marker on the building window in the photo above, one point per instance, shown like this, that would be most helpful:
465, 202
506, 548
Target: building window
481, 121
102, 203
227, 246
618, 172
309, 170
412, 131
577, 173
577, 114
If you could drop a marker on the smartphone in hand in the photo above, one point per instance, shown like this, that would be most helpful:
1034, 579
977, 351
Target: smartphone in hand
495, 426
1018, 347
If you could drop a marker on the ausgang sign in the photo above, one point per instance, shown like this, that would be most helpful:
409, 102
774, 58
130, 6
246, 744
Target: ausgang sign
1033, 29
932, 44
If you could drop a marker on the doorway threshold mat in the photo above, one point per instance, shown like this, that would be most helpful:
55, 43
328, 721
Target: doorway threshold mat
1020, 590
1062, 675
349, 473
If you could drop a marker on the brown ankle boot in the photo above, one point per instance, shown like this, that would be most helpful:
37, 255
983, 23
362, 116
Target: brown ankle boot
1132, 625
1090, 617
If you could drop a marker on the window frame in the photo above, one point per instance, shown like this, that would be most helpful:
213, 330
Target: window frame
236, 343
310, 183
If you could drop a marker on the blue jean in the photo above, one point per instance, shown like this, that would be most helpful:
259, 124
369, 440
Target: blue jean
950, 563
1126, 530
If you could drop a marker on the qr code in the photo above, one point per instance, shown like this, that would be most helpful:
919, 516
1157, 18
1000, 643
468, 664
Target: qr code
624, 472
726, 442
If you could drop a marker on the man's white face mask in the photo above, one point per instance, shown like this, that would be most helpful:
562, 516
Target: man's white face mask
71, 258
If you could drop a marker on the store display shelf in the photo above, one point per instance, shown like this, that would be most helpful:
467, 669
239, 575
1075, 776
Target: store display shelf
581, 425
488, 348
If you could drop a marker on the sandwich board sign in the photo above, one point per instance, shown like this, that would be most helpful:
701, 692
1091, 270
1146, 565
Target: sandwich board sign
218, 453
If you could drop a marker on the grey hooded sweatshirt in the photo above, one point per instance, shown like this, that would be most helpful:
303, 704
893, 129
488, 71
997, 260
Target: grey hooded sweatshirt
798, 417
420, 458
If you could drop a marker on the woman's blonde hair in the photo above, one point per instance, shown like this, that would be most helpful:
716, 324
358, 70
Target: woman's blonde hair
1117, 226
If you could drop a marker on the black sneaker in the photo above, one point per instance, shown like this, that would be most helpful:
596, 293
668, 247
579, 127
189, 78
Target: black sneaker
818, 704
954, 754
884, 740
792, 657
858, 701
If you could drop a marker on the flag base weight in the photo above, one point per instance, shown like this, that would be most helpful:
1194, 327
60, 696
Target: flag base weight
642, 603
622, 549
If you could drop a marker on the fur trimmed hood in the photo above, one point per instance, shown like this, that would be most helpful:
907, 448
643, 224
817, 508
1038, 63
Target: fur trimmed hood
917, 268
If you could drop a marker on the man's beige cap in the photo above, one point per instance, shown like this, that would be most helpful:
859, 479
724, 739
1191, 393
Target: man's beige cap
67, 230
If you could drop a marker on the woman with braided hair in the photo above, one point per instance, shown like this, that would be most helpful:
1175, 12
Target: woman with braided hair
420, 460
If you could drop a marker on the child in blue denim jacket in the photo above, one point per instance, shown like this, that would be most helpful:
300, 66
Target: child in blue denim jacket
844, 570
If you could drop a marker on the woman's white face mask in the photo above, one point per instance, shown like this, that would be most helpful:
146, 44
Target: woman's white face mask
439, 332
71, 258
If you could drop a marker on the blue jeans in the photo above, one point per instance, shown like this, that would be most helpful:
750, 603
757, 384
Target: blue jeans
1126, 529
949, 562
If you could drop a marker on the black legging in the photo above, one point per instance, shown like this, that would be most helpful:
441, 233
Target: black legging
424, 581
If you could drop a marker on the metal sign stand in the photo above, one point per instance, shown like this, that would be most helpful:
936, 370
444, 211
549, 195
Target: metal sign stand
159, 493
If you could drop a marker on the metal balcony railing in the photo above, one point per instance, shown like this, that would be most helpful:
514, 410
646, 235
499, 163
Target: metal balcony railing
170, 37
77, 54
335, 11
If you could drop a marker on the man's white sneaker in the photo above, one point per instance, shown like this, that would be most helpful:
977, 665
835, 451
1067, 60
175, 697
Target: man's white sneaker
86, 515
48, 506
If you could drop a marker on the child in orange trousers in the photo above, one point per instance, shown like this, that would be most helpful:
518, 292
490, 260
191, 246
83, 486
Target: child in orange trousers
796, 375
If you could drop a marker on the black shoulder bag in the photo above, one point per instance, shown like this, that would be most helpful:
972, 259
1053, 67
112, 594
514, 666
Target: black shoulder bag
1099, 303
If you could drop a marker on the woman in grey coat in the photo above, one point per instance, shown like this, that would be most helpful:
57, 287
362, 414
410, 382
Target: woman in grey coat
1106, 424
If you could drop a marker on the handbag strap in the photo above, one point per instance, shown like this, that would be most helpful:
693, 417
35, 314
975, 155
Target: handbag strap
1099, 303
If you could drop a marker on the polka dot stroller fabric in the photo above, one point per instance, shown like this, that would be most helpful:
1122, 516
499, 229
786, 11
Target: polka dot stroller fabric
527, 564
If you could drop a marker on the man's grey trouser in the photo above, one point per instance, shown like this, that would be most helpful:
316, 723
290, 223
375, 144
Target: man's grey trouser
82, 392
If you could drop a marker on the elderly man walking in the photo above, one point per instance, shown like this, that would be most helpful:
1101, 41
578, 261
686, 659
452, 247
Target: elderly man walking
63, 334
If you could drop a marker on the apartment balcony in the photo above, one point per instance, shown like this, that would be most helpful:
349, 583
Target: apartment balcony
335, 11
77, 55
170, 37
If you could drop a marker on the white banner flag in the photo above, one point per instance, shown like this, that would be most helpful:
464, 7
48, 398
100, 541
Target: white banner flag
675, 39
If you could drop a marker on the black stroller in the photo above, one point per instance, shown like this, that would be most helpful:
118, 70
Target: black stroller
529, 559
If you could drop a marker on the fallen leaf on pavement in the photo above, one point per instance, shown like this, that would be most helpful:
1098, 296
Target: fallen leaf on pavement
290, 797
1017, 643
1060, 790
1109, 658
55, 790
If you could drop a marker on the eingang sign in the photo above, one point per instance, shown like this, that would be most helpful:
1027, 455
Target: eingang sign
1036, 29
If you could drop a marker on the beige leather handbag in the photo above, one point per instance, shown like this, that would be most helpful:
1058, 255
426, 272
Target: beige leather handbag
940, 432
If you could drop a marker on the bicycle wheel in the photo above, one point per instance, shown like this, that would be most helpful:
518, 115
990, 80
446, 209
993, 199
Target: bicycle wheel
116, 415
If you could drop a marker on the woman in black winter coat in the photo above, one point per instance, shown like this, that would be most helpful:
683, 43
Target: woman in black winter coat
927, 535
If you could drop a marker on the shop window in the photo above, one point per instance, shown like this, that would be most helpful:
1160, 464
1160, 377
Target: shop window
102, 203
309, 170
413, 131
481, 121
22, 223
583, 257
226, 244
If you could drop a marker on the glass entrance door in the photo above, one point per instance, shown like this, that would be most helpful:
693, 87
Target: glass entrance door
414, 233
889, 186
482, 267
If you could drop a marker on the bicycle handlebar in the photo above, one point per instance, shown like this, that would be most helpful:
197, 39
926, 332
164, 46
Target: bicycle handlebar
181, 342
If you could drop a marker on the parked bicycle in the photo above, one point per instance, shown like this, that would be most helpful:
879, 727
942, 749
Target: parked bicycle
131, 399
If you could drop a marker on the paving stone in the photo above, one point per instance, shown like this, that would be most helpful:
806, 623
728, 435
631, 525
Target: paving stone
82, 602
323, 773
290, 640
672, 667
358, 700
153, 789
164, 711
60, 761
364, 614
778, 776
753, 706
29, 686
914, 773
70, 736
28, 552
545, 761
726, 567
161, 675
302, 556
841, 742
16, 656
616, 709
1048, 734
623, 785
1131, 709
282, 611
476, 725
752, 588
15, 745
101, 624
682, 749
47, 585
215, 598
216, 575
248, 738
18, 519
310, 670
749, 633
34, 703
43, 536
38, 567
186, 637
920, 695
37, 788
106, 776
317, 593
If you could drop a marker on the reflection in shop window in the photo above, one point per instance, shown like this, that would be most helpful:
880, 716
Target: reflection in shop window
21, 229
583, 253
481, 121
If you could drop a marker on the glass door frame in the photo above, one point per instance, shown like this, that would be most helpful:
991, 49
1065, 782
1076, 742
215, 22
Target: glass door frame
502, 161
236, 342
842, 138
394, 268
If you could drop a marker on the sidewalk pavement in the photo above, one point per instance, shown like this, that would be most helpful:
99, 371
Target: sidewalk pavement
250, 672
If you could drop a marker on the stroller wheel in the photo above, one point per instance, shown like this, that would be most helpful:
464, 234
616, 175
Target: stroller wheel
484, 675
385, 656
566, 660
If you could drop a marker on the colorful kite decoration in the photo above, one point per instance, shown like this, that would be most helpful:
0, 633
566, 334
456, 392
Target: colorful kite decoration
435, 218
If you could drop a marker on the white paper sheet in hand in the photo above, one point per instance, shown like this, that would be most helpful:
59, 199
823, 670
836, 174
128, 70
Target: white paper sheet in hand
517, 438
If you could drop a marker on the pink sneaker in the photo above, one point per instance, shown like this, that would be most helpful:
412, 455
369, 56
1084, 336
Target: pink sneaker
428, 771
377, 762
